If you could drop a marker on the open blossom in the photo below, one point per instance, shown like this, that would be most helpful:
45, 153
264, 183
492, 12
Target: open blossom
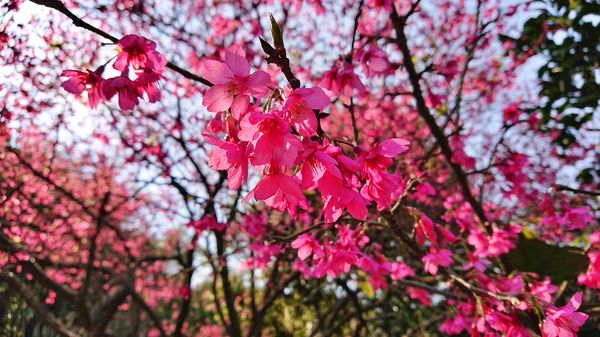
147, 82
140, 53
270, 135
299, 106
381, 186
307, 246
345, 198
207, 223
374, 62
316, 161
420, 295
85, 81
279, 191
564, 321
512, 113
501, 241
578, 218
233, 83
435, 259
591, 278
400, 271
229, 156
343, 82
126, 90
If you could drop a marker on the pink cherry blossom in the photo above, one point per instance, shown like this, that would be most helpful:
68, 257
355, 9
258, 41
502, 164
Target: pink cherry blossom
85, 81
382, 186
147, 82
229, 156
564, 321
420, 295
512, 113
343, 82
299, 106
501, 242
233, 83
280, 191
435, 259
271, 138
401, 270
307, 246
126, 90
139, 52
316, 162
374, 62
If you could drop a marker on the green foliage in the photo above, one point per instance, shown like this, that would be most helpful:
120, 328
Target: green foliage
534, 255
567, 34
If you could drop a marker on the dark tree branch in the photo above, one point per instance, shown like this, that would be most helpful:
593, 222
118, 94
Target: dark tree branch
59, 6
424, 112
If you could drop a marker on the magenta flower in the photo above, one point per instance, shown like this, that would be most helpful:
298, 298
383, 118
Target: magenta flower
307, 246
316, 161
147, 82
126, 89
139, 52
233, 83
272, 140
343, 82
512, 113
229, 156
501, 242
85, 81
381, 186
425, 229
279, 191
401, 270
374, 62
346, 198
435, 259
564, 321
299, 106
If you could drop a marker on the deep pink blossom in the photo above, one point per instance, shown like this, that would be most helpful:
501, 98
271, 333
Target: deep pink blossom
339, 195
126, 90
564, 321
280, 191
270, 135
307, 246
85, 81
512, 113
420, 295
232, 83
381, 186
501, 241
316, 161
401, 270
139, 52
435, 259
230, 156
343, 82
374, 62
425, 229
299, 106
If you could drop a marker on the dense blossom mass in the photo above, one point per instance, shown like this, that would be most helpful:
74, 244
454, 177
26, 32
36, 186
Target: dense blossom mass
297, 168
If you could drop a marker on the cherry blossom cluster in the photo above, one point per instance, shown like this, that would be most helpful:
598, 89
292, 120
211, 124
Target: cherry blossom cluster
138, 57
281, 142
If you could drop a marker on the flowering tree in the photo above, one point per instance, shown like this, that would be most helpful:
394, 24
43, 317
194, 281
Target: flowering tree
293, 168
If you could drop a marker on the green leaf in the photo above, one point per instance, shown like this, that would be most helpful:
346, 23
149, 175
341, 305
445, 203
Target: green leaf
276, 32
534, 255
